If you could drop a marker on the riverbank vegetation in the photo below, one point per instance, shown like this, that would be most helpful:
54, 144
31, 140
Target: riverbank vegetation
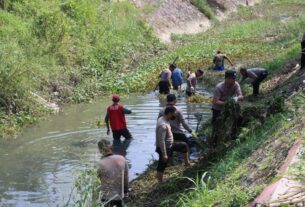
65, 51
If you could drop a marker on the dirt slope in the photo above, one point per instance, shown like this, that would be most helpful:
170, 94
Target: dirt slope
181, 17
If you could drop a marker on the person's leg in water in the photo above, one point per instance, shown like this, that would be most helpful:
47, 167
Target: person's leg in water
164, 87
126, 134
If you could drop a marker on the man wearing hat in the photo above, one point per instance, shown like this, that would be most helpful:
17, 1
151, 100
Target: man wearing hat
224, 91
113, 174
116, 116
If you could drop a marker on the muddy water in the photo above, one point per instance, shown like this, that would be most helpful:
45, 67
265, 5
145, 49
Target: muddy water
38, 168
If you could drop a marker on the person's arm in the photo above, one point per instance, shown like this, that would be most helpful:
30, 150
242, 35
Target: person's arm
189, 81
169, 80
227, 58
160, 113
126, 179
183, 122
127, 111
216, 98
107, 123
161, 141
218, 102
243, 79
214, 59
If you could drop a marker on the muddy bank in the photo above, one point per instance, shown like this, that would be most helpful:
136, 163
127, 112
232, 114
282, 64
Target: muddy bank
182, 17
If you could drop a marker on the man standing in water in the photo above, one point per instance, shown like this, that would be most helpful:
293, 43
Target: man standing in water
165, 82
219, 60
179, 120
116, 116
113, 174
303, 53
192, 82
165, 144
256, 74
177, 78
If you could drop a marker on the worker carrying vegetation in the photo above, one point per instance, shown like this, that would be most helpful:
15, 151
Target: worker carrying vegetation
177, 78
192, 82
256, 74
224, 91
165, 145
116, 116
165, 82
113, 174
177, 121
219, 61
303, 53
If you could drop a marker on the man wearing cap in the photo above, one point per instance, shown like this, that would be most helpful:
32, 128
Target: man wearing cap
165, 82
224, 91
219, 61
256, 74
116, 116
165, 144
113, 174
179, 120
192, 82
177, 78
303, 52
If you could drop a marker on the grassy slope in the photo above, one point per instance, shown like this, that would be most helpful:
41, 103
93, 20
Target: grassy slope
66, 51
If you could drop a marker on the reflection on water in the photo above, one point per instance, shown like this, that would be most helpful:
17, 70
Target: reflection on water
37, 167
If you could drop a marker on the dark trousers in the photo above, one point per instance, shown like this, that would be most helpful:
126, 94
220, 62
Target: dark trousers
257, 81
216, 114
118, 203
164, 87
303, 55
123, 132
177, 147
188, 93
215, 127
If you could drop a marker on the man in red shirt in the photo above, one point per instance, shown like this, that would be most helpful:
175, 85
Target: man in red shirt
116, 116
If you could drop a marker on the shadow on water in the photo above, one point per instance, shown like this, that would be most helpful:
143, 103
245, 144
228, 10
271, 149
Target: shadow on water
37, 167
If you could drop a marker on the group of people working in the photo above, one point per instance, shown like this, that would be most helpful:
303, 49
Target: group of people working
170, 137
172, 77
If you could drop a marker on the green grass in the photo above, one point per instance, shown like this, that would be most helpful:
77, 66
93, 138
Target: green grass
232, 181
204, 7
63, 50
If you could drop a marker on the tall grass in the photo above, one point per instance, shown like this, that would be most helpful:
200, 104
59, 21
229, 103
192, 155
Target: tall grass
63, 50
